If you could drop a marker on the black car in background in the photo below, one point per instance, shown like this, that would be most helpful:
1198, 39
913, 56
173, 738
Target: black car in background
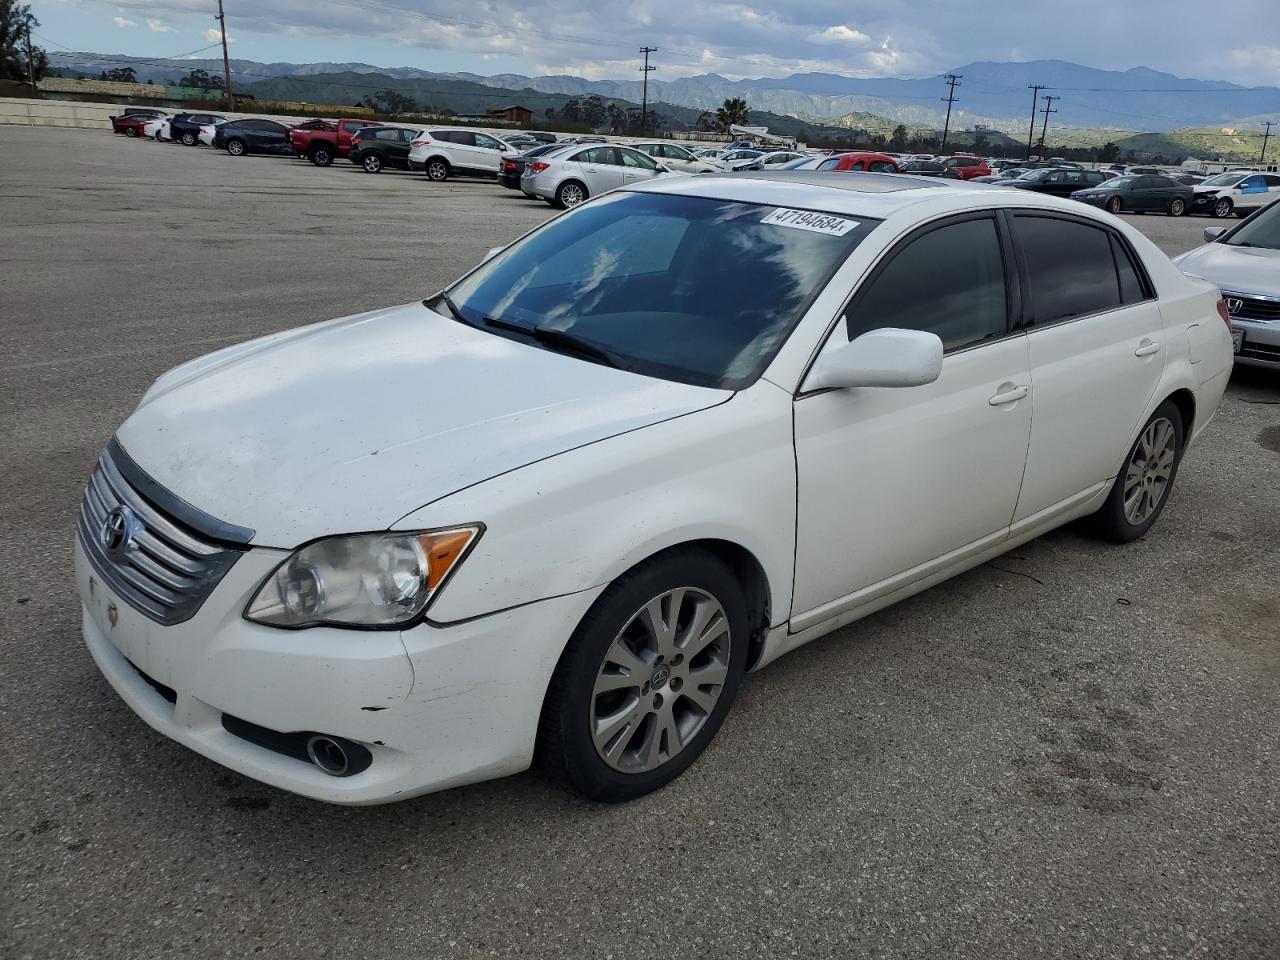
376, 147
1059, 183
253, 135
929, 168
185, 127
1146, 193
512, 168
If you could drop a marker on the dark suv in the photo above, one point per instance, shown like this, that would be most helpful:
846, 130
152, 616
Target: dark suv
376, 147
185, 127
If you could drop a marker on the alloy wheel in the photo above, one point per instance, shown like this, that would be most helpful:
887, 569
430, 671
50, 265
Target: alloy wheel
661, 678
1222, 208
372, 163
1177, 208
1149, 470
571, 195
189, 139
235, 148
1113, 206
437, 170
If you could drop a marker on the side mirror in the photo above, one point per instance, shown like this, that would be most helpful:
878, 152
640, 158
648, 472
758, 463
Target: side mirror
1213, 233
491, 253
888, 357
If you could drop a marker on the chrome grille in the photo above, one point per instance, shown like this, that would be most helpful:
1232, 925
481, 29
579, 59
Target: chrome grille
170, 563
1253, 306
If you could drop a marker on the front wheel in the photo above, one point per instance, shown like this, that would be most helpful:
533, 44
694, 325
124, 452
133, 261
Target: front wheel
1142, 489
647, 678
1114, 205
236, 148
372, 163
188, 139
1221, 207
1177, 207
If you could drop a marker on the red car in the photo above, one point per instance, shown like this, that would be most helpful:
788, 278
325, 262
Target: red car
968, 166
131, 124
324, 141
866, 162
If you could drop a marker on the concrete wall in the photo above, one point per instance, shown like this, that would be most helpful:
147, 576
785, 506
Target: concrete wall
57, 113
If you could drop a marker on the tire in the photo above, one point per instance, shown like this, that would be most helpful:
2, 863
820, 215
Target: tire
321, 155
437, 170
236, 148
1222, 207
660, 708
1114, 205
1177, 207
1120, 520
371, 162
130, 131
189, 140
570, 194
1242, 214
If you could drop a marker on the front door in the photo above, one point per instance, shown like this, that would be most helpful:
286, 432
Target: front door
892, 479
488, 152
1097, 353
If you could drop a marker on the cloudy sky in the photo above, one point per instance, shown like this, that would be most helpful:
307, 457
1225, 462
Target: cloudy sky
745, 39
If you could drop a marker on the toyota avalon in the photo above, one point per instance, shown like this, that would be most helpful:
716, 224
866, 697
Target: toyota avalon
557, 510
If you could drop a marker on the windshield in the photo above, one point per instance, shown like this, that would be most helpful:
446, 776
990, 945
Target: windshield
1116, 183
1224, 180
689, 289
1262, 230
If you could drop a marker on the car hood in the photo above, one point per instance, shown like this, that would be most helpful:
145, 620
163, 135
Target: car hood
349, 425
1240, 269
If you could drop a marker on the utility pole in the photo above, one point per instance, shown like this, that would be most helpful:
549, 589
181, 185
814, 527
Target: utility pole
953, 81
1262, 159
31, 69
1035, 89
1048, 109
226, 60
644, 104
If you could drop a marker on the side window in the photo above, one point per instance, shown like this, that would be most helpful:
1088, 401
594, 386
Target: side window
596, 155
464, 138
1056, 177
489, 143
1271, 180
1131, 290
949, 281
632, 159
879, 166
1092, 177
1252, 183
829, 164
1070, 267
1074, 176
442, 136
382, 133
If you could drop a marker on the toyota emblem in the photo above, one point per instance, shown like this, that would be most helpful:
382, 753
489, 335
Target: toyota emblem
119, 532
1234, 305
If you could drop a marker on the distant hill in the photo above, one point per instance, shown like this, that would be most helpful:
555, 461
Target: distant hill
992, 94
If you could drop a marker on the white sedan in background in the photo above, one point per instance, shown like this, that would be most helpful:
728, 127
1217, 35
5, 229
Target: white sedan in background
561, 507
157, 129
207, 131
677, 158
568, 177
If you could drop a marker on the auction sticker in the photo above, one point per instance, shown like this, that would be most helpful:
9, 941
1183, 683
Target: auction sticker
808, 220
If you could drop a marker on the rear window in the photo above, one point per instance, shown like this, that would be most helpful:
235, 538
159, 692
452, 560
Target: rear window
1071, 268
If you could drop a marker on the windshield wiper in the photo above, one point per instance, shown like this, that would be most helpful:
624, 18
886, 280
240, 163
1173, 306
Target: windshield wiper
447, 300
562, 339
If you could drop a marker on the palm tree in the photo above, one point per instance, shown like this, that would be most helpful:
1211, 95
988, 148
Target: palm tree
733, 112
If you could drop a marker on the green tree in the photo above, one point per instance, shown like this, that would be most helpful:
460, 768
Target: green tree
202, 79
981, 144
1109, 153
898, 142
706, 121
390, 101
878, 141
119, 75
733, 111
16, 19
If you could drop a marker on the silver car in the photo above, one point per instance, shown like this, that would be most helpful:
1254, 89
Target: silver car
1245, 264
566, 178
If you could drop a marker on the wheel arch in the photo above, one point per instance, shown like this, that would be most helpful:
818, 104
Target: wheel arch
1185, 401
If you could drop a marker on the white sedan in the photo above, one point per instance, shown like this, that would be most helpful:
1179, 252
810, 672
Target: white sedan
207, 132
158, 129
560, 508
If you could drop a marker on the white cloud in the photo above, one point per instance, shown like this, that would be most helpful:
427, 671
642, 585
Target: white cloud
124, 24
214, 36
158, 26
840, 34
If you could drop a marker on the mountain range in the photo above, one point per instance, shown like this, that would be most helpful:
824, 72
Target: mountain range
990, 93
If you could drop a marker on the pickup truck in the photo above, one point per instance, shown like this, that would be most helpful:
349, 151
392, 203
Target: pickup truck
323, 143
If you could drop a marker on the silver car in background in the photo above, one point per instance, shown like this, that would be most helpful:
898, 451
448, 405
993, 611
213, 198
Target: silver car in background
679, 159
1245, 264
566, 178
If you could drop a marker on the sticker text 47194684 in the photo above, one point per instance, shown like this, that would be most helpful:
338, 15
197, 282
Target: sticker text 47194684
809, 220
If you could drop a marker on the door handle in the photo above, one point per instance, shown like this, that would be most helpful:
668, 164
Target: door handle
1009, 393
1146, 348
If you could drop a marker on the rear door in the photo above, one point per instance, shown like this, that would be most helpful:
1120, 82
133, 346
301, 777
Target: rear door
602, 168
462, 150
1097, 353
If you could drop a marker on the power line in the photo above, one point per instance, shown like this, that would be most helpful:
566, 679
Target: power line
953, 81
1265, 137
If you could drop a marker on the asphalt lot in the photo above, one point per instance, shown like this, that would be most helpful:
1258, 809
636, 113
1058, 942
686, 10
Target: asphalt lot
1070, 752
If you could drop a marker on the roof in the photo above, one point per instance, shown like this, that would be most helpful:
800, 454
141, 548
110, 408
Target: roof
514, 106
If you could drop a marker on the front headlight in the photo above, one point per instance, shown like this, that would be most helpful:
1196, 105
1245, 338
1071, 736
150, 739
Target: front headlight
363, 580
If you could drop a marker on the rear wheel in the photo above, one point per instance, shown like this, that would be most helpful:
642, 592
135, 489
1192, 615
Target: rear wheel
321, 155
569, 194
647, 678
236, 148
1221, 207
1141, 490
371, 162
437, 170
189, 139
1114, 205
1177, 207
130, 131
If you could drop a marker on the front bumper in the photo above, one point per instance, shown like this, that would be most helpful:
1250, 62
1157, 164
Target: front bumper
437, 706
1261, 347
